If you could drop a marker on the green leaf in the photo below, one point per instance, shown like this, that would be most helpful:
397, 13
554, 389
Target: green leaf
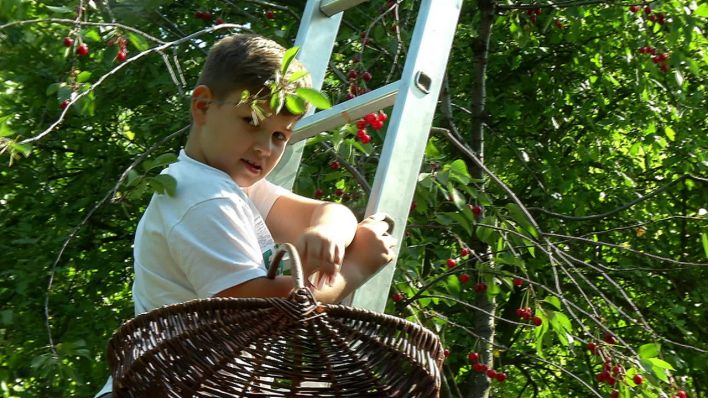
518, 215
670, 133
554, 301
138, 41
661, 364
650, 350
24, 149
297, 75
164, 183
92, 35
702, 10
457, 198
314, 97
52, 88
289, 55
60, 10
704, 240
295, 104
83, 76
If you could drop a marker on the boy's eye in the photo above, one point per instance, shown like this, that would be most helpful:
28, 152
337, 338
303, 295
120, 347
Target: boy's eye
249, 121
278, 136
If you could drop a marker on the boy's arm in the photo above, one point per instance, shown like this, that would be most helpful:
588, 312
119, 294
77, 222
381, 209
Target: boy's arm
367, 253
319, 230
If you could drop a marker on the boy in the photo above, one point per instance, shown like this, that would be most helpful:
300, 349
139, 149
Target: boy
210, 238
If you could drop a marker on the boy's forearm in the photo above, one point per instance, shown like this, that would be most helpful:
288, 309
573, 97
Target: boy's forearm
344, 282
338, 218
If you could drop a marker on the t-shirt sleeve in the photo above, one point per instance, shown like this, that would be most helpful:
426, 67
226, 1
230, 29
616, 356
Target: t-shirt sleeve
216, 247
263, 194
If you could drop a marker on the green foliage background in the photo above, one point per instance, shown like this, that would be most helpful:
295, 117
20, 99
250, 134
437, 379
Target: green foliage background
578, 123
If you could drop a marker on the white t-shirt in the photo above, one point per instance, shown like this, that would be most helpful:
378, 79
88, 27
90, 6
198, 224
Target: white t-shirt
209, 236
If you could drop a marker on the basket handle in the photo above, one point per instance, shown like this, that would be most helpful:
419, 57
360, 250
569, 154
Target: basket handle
295, 264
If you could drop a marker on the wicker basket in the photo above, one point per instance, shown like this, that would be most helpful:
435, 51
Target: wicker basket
273, 347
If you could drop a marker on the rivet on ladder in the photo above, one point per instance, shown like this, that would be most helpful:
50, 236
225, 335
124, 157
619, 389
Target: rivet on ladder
423, 81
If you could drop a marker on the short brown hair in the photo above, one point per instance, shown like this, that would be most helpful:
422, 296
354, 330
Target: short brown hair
245, 61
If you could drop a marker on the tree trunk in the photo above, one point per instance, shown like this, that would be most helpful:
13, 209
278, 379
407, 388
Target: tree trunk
483, 320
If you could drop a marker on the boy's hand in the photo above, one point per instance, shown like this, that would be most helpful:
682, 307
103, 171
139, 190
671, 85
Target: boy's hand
319, 252
372, 244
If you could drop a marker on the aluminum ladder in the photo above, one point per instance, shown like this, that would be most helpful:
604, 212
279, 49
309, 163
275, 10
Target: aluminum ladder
414, 98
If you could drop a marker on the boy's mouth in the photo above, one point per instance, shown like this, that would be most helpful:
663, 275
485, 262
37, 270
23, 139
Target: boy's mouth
254, 167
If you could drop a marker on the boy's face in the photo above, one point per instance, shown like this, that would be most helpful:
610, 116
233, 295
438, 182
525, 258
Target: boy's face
227, 137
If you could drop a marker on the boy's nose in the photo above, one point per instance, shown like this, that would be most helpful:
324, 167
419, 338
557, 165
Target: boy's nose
263, 145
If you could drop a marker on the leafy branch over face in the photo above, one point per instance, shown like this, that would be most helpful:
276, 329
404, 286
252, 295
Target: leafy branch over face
283, 91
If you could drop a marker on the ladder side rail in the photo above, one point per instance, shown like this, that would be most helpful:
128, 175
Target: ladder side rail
407, 134
315, 37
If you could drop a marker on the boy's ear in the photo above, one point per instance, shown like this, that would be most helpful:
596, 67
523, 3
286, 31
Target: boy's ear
201, 99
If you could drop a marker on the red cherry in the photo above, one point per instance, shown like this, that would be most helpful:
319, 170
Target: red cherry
199, 14
537, 11
518, 282
616, 369
652, 18
451, 262
520, 312
681, 394
501, 376
334, 165
318, 193
473, 356
371, 117
592, 347
396, 297
664, 68
382, 116
356, 59
558, 24
663, 57
361, 124
634, 8
269, 14
476, 210
647, 10
206, 15
479, 367
661, 18
609, 338
218, 21
365, 138
464, 278
480, 287
377, 125
64, 104
413, 206
352, 75
638, 379
121, 56
366, 76
537, 321
465, 251
82, 50
615, 394
339, 192
611, 380
446, 353
491, 373
349, 96
533, 18
68, 42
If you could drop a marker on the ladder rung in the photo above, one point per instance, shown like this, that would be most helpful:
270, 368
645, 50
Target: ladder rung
331, 7
345, 112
